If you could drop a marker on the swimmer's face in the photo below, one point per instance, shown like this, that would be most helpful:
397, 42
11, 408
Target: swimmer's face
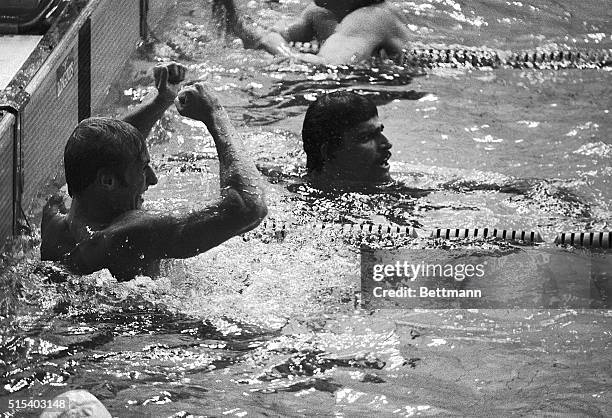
364, 154
137, 178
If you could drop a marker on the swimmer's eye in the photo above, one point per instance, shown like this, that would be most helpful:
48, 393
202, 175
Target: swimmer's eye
371, 136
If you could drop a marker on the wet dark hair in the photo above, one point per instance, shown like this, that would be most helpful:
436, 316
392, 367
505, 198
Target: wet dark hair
100, 143
326, 121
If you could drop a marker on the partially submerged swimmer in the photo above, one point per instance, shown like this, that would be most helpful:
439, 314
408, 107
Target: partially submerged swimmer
347, 30
346, 149
344, 142
107, 167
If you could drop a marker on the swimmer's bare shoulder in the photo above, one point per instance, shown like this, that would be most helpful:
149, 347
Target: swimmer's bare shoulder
374, 27
377, 18
357, 37
78, 253
55, 232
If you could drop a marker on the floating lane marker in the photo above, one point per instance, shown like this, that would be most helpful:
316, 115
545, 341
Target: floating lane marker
372, 229
500, 234
585, 239
576, 239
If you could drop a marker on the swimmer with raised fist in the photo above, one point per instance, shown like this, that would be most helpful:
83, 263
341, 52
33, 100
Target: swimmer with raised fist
107, 167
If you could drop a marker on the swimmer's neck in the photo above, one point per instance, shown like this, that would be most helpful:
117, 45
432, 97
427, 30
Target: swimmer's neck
89, 213
325, 181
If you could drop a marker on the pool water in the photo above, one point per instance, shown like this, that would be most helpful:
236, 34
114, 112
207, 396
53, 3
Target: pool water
268, 324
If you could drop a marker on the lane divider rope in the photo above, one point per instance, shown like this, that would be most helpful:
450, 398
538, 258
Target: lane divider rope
374, 229
576, 239
585, 239
503, 234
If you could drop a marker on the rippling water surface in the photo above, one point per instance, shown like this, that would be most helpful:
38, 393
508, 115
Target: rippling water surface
266, 324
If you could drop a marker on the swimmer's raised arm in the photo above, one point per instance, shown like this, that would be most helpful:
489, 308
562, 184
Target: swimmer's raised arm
273, 40
139, 235
167, 78
239, 178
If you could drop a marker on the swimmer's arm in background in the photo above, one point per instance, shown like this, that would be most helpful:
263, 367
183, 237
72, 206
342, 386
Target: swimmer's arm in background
139, 236
256, 37
252, 35
167, 78
273, 40
302, 30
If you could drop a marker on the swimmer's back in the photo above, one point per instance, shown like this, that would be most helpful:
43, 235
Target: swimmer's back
60, 244
364, 32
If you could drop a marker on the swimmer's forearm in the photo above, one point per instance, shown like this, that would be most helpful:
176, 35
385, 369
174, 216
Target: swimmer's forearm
236, 170
310, 58
274, 43
145, 115
256, 37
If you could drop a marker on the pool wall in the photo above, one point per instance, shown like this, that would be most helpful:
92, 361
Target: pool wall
6, 174
65, 80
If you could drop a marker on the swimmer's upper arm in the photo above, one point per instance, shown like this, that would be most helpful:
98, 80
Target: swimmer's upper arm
139, 236
302, 30
200, 231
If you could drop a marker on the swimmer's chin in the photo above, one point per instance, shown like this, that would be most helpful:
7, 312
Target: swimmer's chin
337, 182
138, 203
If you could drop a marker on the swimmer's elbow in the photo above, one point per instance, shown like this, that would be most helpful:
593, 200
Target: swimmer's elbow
248, 208
256, 210
260, 210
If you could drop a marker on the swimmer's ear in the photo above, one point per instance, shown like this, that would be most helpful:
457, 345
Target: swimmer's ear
324, 152
106, 179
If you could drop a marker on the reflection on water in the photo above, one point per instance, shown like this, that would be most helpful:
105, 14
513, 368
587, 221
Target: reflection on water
267, 323
270, 325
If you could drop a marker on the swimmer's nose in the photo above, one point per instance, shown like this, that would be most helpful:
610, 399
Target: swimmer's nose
151, 177
384, 142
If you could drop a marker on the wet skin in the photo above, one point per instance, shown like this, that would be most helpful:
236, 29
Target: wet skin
138, 177
347, 31
106, 226
62, 231
362, 157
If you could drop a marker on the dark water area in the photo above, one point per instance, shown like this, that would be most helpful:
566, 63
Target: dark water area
268, 324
